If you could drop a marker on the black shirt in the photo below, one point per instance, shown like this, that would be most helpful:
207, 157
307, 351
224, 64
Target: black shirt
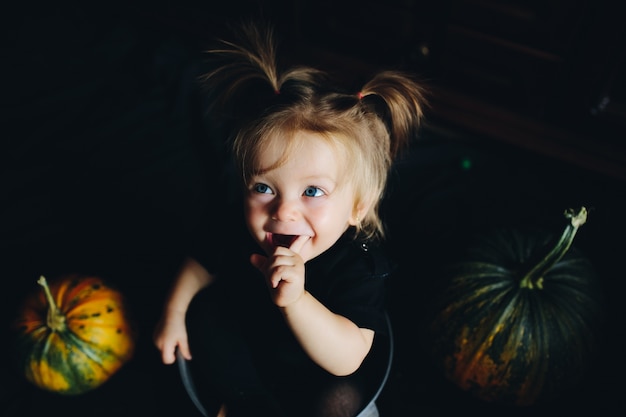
348, 278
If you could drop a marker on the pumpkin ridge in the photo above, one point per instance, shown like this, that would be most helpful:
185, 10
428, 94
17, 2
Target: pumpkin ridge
476, 354
93, 298
98, 353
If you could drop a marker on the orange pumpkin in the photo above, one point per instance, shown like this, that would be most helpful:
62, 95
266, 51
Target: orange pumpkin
74, 335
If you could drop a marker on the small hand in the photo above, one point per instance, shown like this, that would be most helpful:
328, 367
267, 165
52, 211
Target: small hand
284, 271
170, 335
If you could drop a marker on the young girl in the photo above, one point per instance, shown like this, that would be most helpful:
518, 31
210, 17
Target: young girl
303, 299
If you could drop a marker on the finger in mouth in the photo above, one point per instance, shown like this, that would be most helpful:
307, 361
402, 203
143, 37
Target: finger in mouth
283, 240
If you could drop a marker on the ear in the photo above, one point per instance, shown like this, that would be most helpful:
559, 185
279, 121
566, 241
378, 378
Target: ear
360, 211
354, 219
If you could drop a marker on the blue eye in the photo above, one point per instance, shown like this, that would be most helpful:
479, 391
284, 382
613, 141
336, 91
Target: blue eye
262, 188
313, 192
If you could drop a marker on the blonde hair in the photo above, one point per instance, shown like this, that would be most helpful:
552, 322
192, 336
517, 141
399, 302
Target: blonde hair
371, 126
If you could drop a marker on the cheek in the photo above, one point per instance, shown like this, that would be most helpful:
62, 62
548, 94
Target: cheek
329, 224
337, 213
321, 216
254, 212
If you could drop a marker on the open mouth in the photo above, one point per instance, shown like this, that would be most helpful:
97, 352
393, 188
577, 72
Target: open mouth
282, 240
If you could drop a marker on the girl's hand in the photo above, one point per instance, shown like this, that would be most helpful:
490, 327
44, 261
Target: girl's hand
284, 272
171, 333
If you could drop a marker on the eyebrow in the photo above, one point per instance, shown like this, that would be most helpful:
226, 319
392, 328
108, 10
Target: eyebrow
322, 176
311, 180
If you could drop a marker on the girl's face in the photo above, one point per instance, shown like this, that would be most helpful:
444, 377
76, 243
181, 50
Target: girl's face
305, 196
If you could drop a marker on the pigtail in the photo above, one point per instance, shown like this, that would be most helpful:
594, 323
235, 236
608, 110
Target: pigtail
252, 58
404, 101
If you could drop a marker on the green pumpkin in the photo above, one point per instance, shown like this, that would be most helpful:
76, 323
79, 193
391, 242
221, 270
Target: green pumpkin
520, 318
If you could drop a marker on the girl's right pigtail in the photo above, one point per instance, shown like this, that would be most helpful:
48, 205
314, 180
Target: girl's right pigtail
246, 77
405, 101
241, 63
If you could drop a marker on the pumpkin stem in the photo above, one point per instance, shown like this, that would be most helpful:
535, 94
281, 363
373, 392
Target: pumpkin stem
55, 318
534, 278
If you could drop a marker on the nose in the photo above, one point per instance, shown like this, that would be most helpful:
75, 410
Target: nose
285, 210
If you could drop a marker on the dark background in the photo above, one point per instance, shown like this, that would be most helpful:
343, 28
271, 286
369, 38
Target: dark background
110, 166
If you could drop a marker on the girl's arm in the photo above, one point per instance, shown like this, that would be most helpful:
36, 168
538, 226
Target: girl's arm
331, 340
171, 331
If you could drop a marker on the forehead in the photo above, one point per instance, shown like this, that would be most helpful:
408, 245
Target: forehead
301, 148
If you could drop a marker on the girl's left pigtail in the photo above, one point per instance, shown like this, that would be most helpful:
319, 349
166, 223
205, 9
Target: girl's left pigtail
404, 100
